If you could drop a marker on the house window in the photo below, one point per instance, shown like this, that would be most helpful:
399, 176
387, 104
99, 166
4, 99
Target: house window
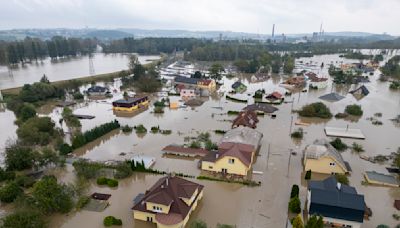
210, 167
224, 170
231, 161
332, 164
149, 219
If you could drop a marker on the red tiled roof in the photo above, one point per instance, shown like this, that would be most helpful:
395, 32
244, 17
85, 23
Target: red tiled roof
185, 150
170, 190
276, 95
205, 82
246, 118
241, 151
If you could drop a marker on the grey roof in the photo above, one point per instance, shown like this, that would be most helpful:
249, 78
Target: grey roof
383, 178
321, 148
243, 135
331, 97
262, 107
330, 184
237, 84
97, 89
332, 199
186, 80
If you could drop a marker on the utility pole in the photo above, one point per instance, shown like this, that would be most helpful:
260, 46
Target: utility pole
91, 66
288, 167
269, 152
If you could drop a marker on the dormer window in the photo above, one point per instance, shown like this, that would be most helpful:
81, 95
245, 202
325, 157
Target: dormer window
157, 209
231, 161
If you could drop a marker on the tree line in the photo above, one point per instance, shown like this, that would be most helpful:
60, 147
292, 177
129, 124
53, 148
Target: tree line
34, 49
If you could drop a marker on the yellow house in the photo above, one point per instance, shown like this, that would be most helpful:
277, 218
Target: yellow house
231, 158
130, 104
322, 157
169, 203
207, 84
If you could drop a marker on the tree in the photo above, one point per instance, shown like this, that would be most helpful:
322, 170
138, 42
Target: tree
295, 191
317, 109
297, 222
224, 226
19, 157
215, 70
354, 110
197, 74
198, 224
341, 178
9, 192
49, 196
396, 160
315, 222
295, 205
44, 79
289, 65
27, 111
24, 219
133, 61
338, 144
138, 72
37, 131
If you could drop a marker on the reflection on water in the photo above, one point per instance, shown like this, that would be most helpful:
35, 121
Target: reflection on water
66, 68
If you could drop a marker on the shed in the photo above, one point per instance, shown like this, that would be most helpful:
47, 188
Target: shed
374, 177
331, 97
100, 196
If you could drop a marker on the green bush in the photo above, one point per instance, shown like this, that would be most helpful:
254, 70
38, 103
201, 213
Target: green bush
338, 144
357, 147
25, 181
102, 181
308, 175
24, 219
298, 134
354, 110
126, 129
158, 110
123, 170
140, 129
6, 175
220, 132
166, 132
89, 136
112, 221
9, 192
78, 96
295, 191
341, 178
112, 183
195, 144
317, 109
198, 224
155, 130
65, 149
295, 205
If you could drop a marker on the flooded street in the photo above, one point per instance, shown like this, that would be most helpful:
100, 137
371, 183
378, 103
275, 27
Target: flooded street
258, 207
66, 68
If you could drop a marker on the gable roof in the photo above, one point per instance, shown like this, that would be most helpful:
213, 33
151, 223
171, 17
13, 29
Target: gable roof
362, 90
205, 82
246, 118
186, 80
241, 151
243, 135
169, 191
331, 97
275, 95
332, 199
322, 148
262, 107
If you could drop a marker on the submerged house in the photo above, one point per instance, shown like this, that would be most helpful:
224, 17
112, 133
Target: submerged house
315, 81
97, 91
360, 92
246, 118
130, 104
322, 157
340, 205
236, 152
230, 158
169, 202
239, 87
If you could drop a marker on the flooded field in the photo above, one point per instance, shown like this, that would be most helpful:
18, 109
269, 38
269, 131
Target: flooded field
64, 69
258, 207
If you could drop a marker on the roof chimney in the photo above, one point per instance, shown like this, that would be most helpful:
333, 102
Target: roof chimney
338, 186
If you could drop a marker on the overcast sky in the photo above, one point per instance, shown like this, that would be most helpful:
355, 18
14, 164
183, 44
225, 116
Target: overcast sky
255, 16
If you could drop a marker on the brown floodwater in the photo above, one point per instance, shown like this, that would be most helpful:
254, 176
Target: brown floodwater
264, 206
66, 68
